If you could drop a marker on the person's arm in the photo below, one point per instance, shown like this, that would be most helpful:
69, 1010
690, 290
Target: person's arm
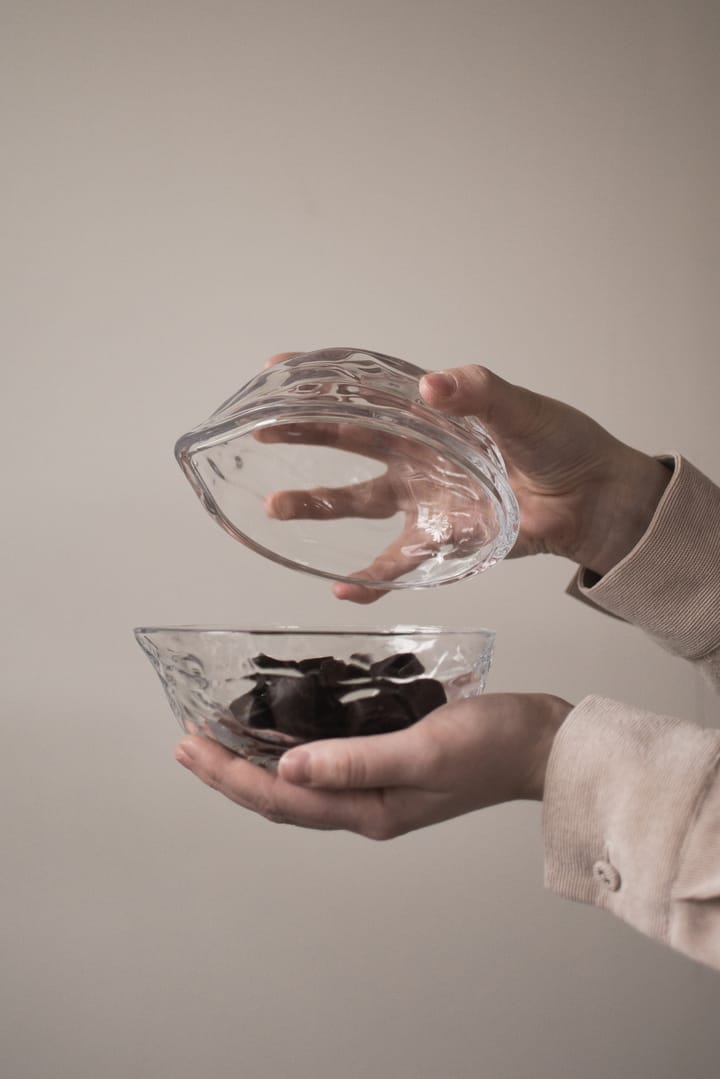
632, 813
668, 584
632, 800
632, 822
582, 494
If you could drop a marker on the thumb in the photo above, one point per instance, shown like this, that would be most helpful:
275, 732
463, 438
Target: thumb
475, 391
376, 760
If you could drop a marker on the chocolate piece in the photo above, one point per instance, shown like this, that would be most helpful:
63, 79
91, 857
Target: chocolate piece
269, 663
384, 712
305, 708
423, 695
312, 666
333, 672
330, 698
294, 704
251, 710
403, 665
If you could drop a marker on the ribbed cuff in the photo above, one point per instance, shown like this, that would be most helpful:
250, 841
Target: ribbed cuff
669, 584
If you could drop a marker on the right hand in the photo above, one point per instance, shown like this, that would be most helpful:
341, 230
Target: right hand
582, 493
464, 756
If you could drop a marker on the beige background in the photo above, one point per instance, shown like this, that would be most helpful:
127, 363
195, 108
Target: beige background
187, 188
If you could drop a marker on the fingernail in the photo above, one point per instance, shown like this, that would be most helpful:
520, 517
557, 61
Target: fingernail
185, 752
276, 506
443, 384
294, 767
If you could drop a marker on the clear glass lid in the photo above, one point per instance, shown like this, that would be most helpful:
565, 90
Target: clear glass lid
331, 463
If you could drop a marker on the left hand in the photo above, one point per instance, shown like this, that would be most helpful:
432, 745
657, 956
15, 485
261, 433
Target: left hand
461, 757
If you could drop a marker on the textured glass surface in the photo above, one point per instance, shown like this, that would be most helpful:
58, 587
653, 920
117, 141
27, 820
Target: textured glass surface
331, 463
205, 670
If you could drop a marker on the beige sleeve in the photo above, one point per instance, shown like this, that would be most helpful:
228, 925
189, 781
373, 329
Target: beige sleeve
632, 822
632, 800
669, 584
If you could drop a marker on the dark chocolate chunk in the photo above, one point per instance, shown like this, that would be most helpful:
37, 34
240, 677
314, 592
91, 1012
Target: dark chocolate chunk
366, 687
252, 710
312, 666
269, 663
403, 665
357, 670
294, 704
384, 712
305, 708
331, 698
332, 672
423, 696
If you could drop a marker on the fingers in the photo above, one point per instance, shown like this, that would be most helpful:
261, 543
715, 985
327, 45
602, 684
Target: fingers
371, 499
279, 357
357, 593
476, 391
374, 500
364, 441
278, 801
402, 556
365, 763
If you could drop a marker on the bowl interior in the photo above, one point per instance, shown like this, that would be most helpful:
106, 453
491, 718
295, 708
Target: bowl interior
258, 692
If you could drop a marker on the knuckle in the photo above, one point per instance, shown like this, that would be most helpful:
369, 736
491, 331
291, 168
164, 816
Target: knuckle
325, 502
349, 770
476, 382
213, 778
478, 377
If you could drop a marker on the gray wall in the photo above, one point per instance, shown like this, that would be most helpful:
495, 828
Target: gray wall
187, 188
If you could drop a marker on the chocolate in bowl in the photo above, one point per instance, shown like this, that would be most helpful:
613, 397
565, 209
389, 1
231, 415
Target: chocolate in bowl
260, 691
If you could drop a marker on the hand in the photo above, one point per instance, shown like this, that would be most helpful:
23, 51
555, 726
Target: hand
437, 512
464, 756
582, 493
414, 483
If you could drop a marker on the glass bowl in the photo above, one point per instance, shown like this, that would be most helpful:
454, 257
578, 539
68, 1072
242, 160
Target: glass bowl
260, 691
331, 463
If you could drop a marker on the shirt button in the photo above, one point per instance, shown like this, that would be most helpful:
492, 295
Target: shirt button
607, 875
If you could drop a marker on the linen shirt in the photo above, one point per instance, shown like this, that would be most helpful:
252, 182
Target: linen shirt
631, 812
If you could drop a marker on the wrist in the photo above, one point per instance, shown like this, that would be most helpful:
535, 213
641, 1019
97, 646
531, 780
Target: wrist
621, 510
551, 713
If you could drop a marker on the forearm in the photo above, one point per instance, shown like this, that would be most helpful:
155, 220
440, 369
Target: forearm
632, 822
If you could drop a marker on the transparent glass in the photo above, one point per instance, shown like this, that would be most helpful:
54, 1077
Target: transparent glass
331, 463
260, 691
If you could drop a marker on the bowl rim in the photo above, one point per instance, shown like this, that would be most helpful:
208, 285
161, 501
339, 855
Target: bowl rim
314, 631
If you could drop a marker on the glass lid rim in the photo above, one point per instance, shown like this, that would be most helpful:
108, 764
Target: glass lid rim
277, 630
